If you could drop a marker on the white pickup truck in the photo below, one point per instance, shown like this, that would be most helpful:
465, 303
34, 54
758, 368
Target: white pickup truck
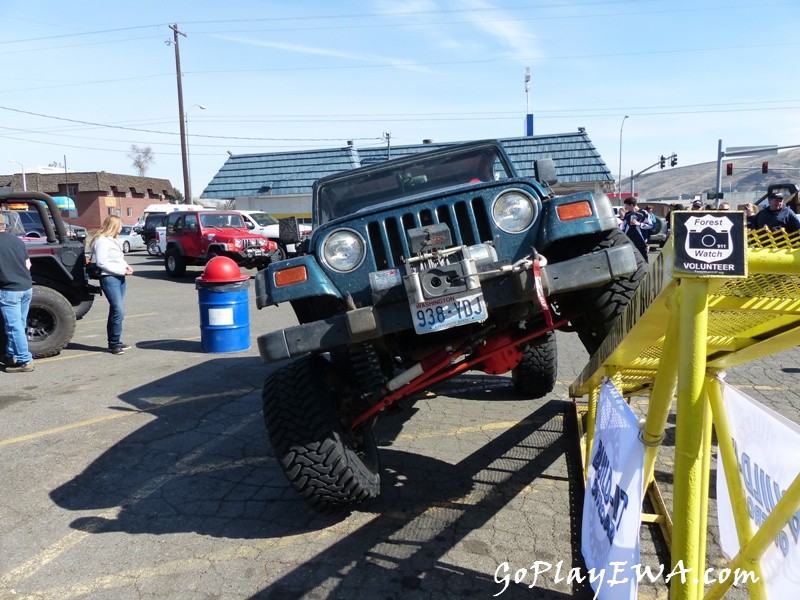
161, 240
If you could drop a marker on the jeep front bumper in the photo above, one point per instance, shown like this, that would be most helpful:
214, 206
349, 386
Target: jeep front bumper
372, 322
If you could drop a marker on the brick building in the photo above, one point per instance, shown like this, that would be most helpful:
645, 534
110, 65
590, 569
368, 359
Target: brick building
97, 194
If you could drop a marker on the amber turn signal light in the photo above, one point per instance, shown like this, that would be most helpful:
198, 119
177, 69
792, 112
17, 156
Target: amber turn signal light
576, 210
291, 276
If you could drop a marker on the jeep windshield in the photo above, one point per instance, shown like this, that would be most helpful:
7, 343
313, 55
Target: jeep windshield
234, 220
348, 193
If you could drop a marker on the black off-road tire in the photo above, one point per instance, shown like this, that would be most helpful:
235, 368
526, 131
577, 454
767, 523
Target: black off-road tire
329, 469
593, 312
535, 375
152, 248
51, 322
83, 307
174, 263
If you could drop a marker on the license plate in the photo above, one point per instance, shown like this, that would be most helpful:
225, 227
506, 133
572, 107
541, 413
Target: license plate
442, 313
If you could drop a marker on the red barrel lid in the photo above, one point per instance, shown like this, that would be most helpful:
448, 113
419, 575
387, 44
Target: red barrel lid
221, 269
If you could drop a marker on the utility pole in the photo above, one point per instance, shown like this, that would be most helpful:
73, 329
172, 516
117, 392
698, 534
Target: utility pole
387, 135
528, 113
187, 186
619, 185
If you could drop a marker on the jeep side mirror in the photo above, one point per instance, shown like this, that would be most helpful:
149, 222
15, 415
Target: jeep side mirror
545, 171
289, 230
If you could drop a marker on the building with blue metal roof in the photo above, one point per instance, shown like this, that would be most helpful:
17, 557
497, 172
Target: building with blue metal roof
281, 182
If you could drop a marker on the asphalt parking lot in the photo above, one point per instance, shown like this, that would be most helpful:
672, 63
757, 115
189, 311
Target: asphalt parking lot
149, 475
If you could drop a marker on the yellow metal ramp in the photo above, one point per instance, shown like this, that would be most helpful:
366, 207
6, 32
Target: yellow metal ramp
678, 332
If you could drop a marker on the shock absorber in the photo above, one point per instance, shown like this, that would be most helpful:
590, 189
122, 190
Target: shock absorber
366, 366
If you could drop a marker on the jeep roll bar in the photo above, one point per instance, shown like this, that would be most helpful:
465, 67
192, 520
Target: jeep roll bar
38, 201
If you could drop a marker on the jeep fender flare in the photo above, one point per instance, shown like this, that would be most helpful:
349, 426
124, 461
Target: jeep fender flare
46, 267
553, 229
316, 283
217, 250
177, 246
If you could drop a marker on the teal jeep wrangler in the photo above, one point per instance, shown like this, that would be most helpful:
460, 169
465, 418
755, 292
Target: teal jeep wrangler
418, 269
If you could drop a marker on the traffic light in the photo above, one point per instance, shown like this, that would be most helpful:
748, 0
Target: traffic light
729, 169
673, 160
662, 162
765, 167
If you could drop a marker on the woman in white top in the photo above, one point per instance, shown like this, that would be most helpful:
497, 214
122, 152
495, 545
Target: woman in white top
108, 254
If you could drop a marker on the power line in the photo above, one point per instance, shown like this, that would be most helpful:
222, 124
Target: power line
139, 130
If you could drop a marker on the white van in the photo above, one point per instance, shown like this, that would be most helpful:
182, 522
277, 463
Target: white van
163, 208
265, 224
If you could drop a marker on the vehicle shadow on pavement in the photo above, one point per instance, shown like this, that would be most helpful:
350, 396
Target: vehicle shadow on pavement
475, 385
204, 465
86, 347
171, 345
428, 508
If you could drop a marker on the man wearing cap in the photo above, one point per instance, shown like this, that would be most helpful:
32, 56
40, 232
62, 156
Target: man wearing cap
697, 205
776, 215
16, 291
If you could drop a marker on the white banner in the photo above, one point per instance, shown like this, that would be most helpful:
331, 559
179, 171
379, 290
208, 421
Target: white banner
612, 506
768, 455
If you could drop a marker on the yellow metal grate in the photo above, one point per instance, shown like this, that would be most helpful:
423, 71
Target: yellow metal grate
742, 314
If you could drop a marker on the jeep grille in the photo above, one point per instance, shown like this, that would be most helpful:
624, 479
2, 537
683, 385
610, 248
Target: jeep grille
251, 243
468, 221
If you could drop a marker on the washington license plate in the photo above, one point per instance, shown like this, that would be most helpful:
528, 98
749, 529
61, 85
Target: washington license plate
442, 313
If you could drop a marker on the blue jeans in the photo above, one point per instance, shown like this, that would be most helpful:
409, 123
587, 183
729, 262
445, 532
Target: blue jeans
14, 308
113, 287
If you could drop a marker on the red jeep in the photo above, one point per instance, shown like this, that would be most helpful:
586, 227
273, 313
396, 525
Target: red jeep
195, 237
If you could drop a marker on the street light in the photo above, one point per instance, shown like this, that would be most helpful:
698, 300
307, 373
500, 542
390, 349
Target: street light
188, 162
619, 186
24, 182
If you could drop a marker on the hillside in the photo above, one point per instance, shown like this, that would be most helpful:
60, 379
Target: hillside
701, 178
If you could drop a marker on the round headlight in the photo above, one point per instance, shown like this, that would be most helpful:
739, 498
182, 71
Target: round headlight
513, 211
343, 250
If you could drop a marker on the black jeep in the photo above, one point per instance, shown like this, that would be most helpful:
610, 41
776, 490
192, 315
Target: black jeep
418, 269
62, 293
148, 231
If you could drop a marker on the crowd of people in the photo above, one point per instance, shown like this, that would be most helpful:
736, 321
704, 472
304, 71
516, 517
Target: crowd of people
638, 223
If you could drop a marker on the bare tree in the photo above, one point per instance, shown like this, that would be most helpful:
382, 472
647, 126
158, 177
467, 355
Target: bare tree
142, 158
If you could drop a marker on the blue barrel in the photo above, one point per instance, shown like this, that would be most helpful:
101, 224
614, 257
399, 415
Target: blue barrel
224, 308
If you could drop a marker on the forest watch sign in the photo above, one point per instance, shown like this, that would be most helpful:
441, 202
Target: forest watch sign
710, 243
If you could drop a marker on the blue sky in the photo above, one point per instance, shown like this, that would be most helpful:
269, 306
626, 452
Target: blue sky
85, 80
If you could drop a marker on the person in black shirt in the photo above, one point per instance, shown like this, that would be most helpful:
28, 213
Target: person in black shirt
16, 291
632, 225
776, 215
